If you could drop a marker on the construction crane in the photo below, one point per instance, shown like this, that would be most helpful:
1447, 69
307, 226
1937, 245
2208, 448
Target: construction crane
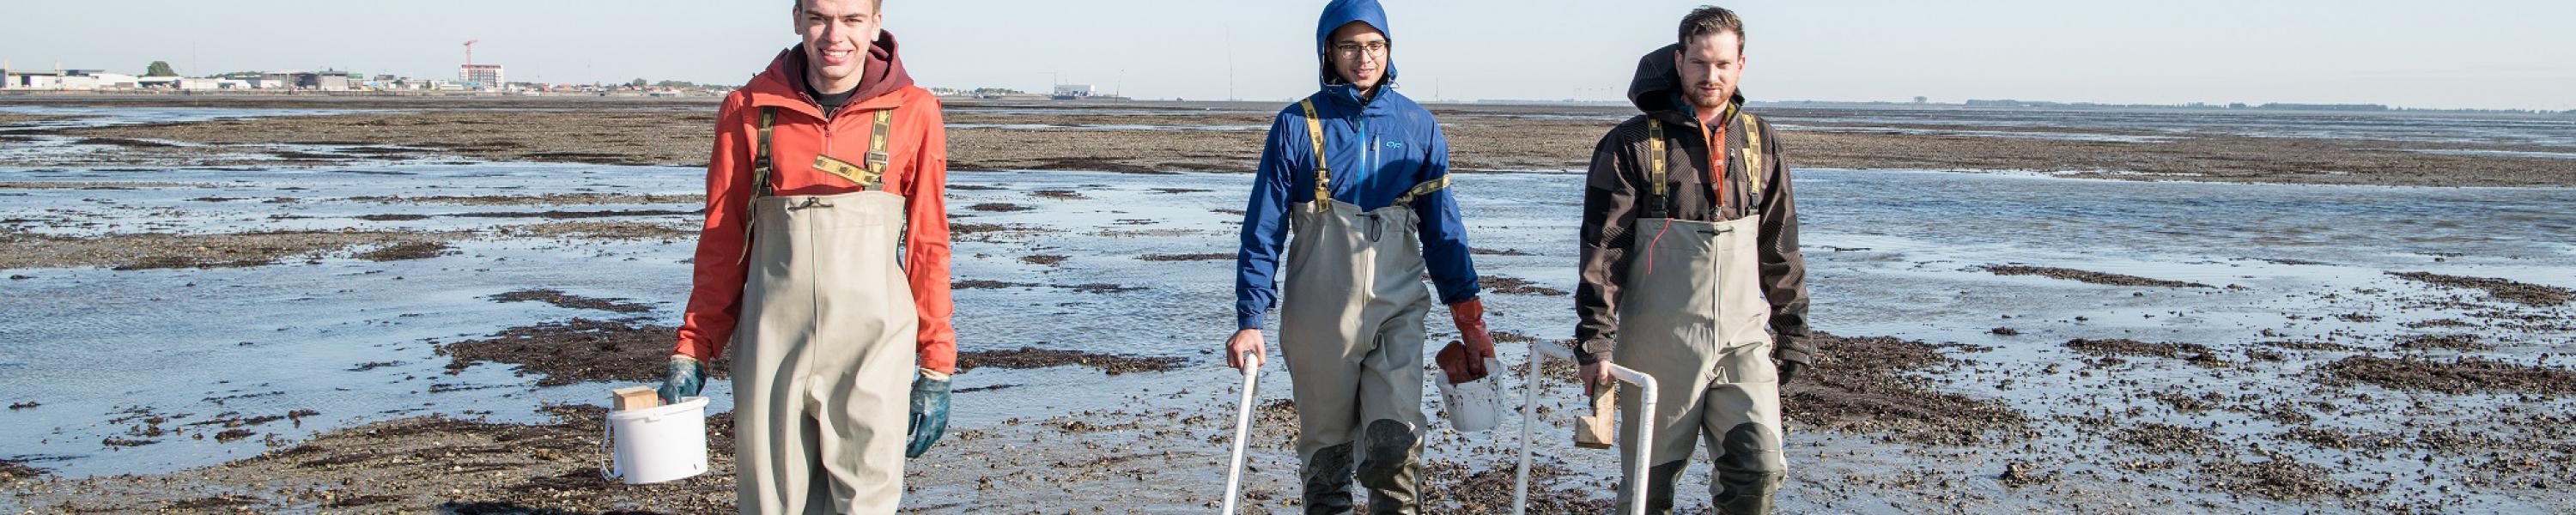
469, 51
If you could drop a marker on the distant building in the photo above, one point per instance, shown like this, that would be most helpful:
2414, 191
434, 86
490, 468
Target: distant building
1072, 91
326, 80
108, 80
270, 81
31, 79
192, 83
480, 76
67, 79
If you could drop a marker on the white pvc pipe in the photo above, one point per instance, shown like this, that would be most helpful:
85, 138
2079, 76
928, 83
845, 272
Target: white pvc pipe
1242, 429
1539, 352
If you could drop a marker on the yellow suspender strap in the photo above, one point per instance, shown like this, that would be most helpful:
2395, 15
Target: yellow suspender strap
1655, 155
877, 157
760, 153
870, 172
1752, 152
1426, 188
759, 179
1323, 172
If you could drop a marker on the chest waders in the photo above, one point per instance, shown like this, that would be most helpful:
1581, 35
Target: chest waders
1351, 335
823, 373
1692, 315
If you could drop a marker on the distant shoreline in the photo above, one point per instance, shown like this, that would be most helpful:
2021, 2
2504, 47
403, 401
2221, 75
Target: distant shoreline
147, 97
1156, 136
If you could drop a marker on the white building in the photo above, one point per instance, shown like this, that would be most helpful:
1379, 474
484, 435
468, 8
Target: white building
108, 80
481, 76
68, 79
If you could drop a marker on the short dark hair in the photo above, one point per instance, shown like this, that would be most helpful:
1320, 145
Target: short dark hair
878, 4
1710, 19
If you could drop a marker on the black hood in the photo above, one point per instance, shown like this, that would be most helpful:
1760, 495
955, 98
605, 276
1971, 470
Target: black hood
1657, 88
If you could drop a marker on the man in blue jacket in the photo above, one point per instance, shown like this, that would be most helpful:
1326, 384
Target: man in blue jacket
1360, 174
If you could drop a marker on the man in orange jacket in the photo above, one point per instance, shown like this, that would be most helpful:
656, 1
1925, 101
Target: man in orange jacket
827, 167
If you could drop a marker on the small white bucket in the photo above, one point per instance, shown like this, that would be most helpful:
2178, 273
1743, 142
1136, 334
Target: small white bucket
653, 445
1475, 405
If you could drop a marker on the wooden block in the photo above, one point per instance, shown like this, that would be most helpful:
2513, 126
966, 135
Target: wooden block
1600, 430
636, 397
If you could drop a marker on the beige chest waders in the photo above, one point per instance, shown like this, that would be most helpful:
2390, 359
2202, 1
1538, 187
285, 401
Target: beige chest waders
822, 373
1692, 315
1351, 334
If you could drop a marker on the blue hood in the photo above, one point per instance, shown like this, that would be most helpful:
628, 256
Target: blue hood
1343, 12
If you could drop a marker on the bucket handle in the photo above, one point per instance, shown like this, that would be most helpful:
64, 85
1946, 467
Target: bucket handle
608, 434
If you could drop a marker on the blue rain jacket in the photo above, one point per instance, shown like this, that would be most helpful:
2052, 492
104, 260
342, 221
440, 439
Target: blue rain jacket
1378, 149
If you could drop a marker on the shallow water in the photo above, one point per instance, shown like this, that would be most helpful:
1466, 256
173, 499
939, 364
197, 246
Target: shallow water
2427, 128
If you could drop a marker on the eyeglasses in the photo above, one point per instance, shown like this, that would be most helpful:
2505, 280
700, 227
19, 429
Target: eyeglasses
1347, 49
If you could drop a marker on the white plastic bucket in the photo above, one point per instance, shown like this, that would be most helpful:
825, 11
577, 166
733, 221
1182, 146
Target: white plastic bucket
653, 445
1475, 405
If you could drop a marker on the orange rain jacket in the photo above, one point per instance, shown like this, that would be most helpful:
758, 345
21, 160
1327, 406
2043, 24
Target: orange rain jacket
917, 168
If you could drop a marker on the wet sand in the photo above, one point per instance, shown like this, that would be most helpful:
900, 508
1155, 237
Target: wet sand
1883, 424
1147, 458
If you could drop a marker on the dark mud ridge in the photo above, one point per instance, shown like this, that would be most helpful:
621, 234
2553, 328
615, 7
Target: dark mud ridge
2169, 438
1033, 357
1862, 385
2090, 277
2279, 478
987, 284
12, 471
234, 250
600, 230
1555, 370
1488, 488
408, 250
551, 199
578, 350
1210, 256
2456, 376
2502, 289
445, 465
2197, 354
1515, 286
573, 215
2456, 342
973, 228
561, 299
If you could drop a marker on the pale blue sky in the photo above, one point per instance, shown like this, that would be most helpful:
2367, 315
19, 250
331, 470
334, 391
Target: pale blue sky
2483, 54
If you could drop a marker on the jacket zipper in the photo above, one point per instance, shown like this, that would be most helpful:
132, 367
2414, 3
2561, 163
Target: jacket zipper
827, 120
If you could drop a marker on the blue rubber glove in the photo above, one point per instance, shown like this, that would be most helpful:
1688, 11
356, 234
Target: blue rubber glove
929, 412
683, 379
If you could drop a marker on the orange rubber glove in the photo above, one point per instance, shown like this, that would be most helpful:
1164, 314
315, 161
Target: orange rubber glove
1470, 317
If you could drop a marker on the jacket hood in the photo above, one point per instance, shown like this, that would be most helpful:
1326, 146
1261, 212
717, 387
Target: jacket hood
1343, 12
1657, 88
882, 73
